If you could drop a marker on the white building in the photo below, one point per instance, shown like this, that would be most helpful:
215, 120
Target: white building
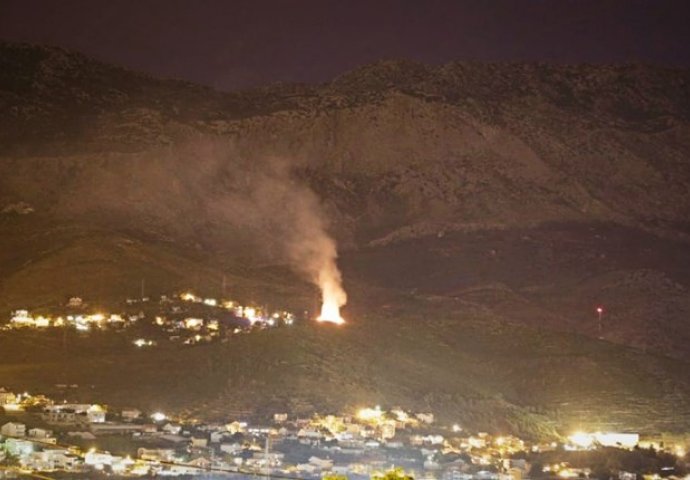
619, 440
157, 454
18, 447
130, 414
98, 459
321, 463
96, 414
40, 433
388, 430
13, 429
64, 417
74, 413
280, 417
231, 448
236, 427
425, 417
50, 459
75, 302
199, 442
7, 398
172, 428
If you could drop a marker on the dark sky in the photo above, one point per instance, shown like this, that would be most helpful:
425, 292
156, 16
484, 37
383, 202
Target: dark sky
229, 44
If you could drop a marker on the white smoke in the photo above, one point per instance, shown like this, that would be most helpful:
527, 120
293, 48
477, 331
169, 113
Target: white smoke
282, 209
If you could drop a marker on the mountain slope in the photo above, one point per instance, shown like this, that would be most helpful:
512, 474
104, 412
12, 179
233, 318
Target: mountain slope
502, 201
458, 143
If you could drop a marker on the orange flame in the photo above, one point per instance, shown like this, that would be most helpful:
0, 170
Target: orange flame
333, 296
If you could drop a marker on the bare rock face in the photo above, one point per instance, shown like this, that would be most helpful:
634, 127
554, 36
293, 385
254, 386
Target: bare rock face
387, 146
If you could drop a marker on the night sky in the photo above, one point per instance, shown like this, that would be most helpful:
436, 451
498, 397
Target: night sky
230, 44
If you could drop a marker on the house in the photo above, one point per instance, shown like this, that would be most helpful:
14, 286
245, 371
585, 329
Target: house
38, 461
120, 465
172, 429
98, 459
130, 414
280, 417
82, 435
114, 428
486, 475
455, 472
202, 463
306, 468
388, 430
75, 302
619, 440
157, 454
236, 427
21, 318
341, 470
427, 418
516, 474
309, 433
66, 461
39, 433
50, 459
353, 428
7, 398
66, 414
199, 442
18, 447
433, 439
64, 417
321, 463
45, 436
13, 429
230, 448
272, 459
173, 438
149, 429
96, 414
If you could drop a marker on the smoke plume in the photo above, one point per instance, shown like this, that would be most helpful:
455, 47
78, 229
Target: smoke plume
284, 211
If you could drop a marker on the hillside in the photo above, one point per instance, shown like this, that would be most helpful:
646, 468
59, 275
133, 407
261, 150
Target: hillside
459, 360
489, 205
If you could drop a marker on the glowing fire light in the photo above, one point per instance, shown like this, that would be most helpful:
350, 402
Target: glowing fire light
330, 312
333, 296
370, 414
582, 440
158, 417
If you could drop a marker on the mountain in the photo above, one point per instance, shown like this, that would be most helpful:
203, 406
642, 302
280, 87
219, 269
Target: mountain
496, 201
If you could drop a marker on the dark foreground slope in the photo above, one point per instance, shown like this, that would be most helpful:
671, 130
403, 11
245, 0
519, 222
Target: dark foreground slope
495, 205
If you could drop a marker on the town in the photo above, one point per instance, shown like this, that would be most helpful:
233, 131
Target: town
43, 435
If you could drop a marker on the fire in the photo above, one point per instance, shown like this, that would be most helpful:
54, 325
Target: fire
330, 312
333, 296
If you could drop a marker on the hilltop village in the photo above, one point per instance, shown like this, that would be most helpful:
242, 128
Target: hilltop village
184, 318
